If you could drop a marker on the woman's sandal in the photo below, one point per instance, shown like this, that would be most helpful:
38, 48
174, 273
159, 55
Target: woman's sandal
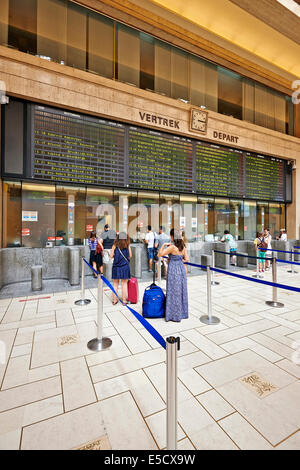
115, 302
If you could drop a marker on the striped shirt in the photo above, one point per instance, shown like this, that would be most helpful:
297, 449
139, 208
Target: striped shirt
93, 244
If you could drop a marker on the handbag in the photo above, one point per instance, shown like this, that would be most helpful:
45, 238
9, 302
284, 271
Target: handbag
98, 249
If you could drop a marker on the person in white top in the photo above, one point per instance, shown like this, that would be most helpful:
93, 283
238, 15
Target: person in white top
283, 235
268, 239
149, 241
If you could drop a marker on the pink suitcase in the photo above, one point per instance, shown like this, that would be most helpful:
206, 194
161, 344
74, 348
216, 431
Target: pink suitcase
133, 290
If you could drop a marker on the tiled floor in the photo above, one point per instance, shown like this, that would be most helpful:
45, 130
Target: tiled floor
238, 381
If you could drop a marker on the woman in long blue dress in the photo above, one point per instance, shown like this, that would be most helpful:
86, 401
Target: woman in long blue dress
177, 294
121, 253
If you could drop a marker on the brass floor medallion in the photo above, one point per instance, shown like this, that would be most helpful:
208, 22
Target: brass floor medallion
69, 339
99, 444
258, 385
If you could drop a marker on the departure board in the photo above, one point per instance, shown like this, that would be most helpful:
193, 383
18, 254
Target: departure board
160, 161
265, 177
73, 148
219, 170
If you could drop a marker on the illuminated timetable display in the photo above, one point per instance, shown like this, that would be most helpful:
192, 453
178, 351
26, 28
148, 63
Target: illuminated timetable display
69, 147
160, 161
265, 177
219, 170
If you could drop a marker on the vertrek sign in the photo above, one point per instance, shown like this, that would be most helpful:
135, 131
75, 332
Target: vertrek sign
161, 121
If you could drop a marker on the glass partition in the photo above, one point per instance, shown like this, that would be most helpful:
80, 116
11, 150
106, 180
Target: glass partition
128, 64
236, 219
222, 212
100, 51
189, 222
169, 216
205, 219
70, 215
127, 216
276, 218
51, 30
149, 211
38, 215
12, 214
250, 229
230, 96
262, 216
77, 36
99, 210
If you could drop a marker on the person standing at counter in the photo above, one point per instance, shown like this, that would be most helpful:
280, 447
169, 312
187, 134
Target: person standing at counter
96, 248
107, 239
121, 254
268, 240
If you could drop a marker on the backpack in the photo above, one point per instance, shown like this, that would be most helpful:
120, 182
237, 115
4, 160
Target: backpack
262, 243
154, 302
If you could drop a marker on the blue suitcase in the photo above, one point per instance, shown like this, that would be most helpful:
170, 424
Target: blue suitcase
154, 302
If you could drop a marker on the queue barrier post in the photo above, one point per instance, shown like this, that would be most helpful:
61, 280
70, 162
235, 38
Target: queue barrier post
209, 319
274, 302
172, 346
292, 270
99, 343
159, 271
82, 301
213, 282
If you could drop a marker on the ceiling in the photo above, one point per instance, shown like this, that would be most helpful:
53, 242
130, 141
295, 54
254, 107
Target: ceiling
263, 28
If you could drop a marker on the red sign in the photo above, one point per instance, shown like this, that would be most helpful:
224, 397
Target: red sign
89, 228
25, 232
58, 239
51, 239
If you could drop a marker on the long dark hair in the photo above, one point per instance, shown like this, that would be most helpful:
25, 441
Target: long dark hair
178, 242
122, 241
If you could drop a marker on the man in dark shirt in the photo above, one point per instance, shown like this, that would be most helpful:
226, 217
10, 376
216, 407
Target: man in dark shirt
107, 237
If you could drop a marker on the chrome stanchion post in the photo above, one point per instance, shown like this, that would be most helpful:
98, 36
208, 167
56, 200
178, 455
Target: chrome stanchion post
209, 319
82, 301
99, 343
173, 344
292, 270
274, 303
213, 282
159, 271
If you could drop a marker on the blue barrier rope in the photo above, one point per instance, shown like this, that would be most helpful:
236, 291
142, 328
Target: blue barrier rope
236, 254
268, 283
279, 251
137, 315
287, 262
297, 247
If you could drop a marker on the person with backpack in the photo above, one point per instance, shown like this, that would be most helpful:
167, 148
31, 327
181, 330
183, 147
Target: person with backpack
177, 295
96, 248
268, 239
228, 238
121, 254
261, 246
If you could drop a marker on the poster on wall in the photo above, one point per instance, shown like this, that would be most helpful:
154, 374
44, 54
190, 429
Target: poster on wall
29, 216
194, 222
